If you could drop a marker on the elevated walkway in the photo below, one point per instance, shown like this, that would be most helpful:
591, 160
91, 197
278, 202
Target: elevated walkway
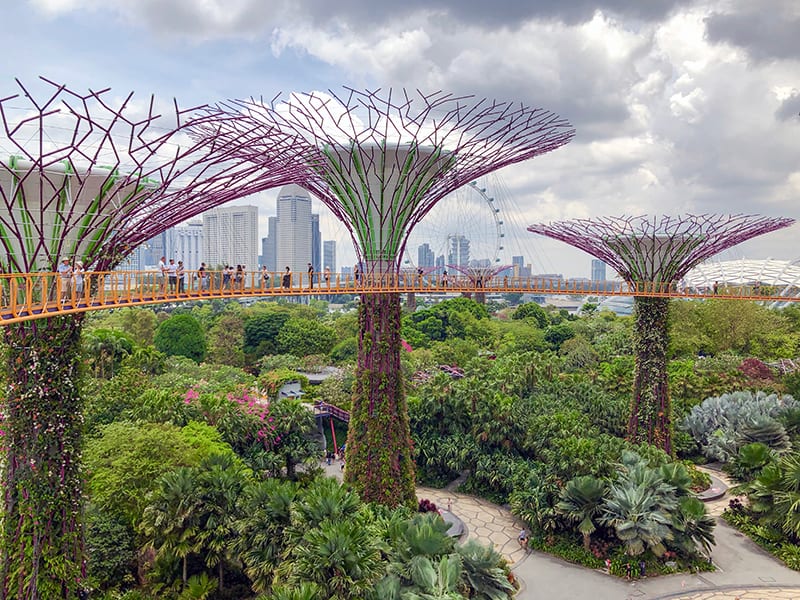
26, 296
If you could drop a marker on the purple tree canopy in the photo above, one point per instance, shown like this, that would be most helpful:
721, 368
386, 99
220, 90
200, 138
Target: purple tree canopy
658, 249
380, 160
91, 175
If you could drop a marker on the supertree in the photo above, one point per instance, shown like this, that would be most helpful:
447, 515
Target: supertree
480, 277
380, 161
87, 176
657, 251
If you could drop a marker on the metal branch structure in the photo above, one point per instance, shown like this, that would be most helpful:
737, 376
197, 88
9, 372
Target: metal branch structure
657, 251
85, 178
380, 160
480, 277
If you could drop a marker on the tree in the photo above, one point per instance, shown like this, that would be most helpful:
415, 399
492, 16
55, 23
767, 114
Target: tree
171, 520
181, 335
225, 341
581, 502
106, 349
261, 331
302, 337
531, 310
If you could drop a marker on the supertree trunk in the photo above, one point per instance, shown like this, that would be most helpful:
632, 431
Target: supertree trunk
42, 541
379, 452
651, 414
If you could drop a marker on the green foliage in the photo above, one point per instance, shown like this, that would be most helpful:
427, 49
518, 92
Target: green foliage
181, 335
111, 551
302, 337
105, 349
555, 335
720, 424
531, 310
225, 341
581, 501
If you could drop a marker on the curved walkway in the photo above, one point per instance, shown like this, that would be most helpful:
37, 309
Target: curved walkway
744, 571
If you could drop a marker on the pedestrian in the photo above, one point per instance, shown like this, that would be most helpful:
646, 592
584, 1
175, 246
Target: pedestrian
715, 288
65, 274
162, 273
628, 570
264, 277
310, 276
356, 274
287, 278
180, 273
226, 277
239, 277
328, 457
203, 275
522, 539
608, 565
444, 278
642, 568
78, 274
172, 275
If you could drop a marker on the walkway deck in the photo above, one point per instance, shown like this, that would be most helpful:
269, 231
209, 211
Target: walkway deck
26, 296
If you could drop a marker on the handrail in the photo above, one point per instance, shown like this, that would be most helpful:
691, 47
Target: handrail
26, 296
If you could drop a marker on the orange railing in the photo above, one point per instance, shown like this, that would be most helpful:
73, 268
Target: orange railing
25, 296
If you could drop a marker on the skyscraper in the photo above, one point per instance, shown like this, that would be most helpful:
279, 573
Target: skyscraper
230, 236
185, 242
459, 250
329, 255
425, 256
598, 270
518, 262
316, 243
293, 230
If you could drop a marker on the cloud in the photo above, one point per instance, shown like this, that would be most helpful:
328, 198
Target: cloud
790, 107
766, 32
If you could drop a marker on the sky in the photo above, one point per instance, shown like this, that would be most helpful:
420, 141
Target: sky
679, 106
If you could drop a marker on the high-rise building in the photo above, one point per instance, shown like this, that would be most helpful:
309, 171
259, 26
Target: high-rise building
269, 245
459, 250
293, 233
316, 243
185, 242
329, 255
518, 263
425, 256
230, 237
598, 270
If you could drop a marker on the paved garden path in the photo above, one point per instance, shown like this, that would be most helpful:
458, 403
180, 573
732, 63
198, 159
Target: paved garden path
744, 570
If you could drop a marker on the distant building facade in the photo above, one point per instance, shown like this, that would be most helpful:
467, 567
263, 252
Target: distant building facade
230, 237
293, 232
329, 255
598, 270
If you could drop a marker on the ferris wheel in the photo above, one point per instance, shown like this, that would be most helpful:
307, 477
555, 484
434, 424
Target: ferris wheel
465, 228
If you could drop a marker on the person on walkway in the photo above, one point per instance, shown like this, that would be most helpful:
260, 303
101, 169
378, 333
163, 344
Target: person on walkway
264, 277
180, 273
172, 275
356, 274
239, 278
162, 273
310, 276
327, 277
444, 278
522, 539
65, 274
226, 278
286, 283
715, 288
202, 274
78, 275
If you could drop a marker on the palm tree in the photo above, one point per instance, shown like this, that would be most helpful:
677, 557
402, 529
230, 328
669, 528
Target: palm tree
170, 522
581, 502
221, 481
265, 511
482, 572
694, 526
341, 557
640, 515
787, 498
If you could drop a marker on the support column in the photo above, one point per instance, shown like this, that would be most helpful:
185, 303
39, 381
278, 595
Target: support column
41, 548
651, 413
379, 451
